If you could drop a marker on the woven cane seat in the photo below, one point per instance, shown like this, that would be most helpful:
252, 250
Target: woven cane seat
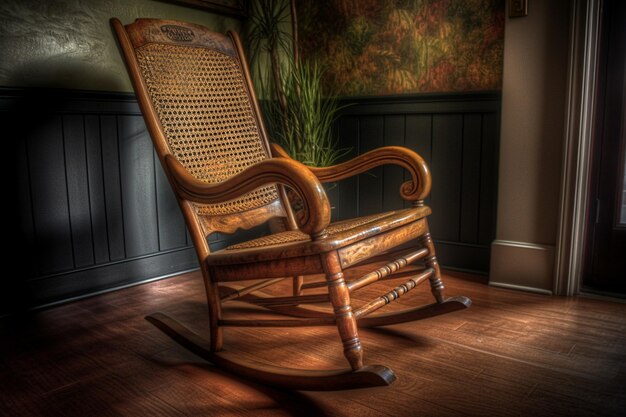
297, 236
340, 234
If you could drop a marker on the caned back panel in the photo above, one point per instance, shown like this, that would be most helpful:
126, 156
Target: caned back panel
197, 87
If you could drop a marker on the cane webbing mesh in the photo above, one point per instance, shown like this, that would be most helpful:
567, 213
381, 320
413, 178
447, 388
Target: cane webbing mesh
297, 236
201, 100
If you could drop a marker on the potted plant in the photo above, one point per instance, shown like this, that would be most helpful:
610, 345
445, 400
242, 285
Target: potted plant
298, 114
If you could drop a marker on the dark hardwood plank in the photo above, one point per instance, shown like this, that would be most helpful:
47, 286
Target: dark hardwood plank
393, 176
171, 225
22, 228
470, 178
78, 189
348, 138
51, 217
447, 154
137, 176
97, 200
467, 256
371, 134
418, 137
488, 178
112, 188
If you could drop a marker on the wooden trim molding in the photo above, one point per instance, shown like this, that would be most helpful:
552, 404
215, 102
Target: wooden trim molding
577, 145
65, 101
232, 8
520, 288
522, 265
474, 102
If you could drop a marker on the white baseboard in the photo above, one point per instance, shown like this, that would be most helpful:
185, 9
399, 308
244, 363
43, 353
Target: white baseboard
522, 266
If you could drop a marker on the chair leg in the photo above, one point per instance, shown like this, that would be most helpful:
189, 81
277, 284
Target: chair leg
436, 284
340, 299
215, 312
297, 285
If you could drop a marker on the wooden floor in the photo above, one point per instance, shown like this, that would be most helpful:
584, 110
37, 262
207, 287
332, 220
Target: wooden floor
510, 354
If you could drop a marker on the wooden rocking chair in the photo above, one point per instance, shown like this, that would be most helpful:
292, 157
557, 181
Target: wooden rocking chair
195, 93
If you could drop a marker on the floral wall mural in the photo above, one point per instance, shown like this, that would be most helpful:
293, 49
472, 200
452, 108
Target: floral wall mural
379, 47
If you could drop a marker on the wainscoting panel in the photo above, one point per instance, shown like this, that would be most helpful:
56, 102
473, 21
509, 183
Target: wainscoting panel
89, 207
457, 134
93, 208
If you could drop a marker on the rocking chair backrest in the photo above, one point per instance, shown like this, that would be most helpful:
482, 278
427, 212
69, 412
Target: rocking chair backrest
194, 90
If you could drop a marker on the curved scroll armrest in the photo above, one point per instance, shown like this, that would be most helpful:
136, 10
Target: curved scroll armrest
415, 190
313, 220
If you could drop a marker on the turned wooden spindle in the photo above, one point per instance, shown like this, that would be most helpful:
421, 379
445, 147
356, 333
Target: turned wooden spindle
436, 284
344, 317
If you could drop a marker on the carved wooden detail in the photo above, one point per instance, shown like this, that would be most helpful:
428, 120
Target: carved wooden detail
369, 247
415, 190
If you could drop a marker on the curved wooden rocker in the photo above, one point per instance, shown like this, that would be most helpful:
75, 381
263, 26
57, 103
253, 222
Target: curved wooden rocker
194, 90
295, 379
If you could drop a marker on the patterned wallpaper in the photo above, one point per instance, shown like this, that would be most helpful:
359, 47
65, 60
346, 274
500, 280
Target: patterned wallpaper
380, 47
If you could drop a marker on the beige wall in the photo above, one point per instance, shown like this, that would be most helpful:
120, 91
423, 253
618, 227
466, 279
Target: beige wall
533, 111
69, 43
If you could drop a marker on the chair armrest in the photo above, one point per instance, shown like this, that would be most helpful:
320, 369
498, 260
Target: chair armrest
415, 190
312, 220
278, 151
